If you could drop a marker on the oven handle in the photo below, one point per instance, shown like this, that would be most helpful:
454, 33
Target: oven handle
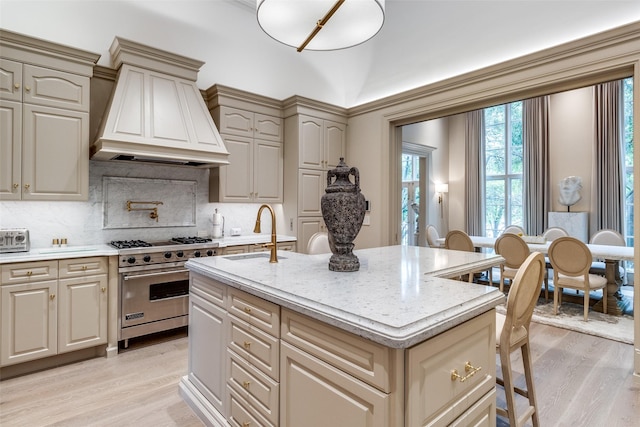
163, 273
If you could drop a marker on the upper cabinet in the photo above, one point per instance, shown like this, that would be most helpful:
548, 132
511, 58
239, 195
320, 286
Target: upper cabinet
252, 130
321, 142
44, 119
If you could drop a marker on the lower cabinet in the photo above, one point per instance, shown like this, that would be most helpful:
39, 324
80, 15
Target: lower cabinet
52, 307
258, 364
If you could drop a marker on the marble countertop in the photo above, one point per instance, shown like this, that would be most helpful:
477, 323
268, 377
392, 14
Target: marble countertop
45, 254
398, 298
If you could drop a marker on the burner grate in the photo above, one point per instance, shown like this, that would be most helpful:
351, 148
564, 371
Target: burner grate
191, 240
127, 244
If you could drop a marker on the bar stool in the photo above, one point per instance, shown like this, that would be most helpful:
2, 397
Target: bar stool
512, 333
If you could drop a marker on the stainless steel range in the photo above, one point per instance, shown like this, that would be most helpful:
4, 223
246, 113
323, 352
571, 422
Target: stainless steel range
154, 284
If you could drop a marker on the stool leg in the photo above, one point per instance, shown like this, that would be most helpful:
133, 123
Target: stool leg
528, 375
509, 393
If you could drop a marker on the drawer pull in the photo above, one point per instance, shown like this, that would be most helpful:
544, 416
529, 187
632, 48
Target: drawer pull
469, 370
246, 384
29, 273
246, 424
84, 268
247, 344
247, 309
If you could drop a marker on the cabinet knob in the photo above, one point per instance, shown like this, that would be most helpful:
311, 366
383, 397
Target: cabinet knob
246, 424
103, 289
27, 186
16, 186
247, 344
247, 309
27, 88
246, 384
17, 85
52, 297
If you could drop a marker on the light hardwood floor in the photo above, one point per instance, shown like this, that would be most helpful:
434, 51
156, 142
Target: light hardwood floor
581, 381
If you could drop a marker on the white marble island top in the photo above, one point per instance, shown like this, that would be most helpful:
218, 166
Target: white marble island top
398, 298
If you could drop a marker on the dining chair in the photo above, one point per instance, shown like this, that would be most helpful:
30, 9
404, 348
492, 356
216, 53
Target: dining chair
514, 229
319, 243
515, 251
610, 238
512, 333
571, 260
551, 234
433, 236
458, 240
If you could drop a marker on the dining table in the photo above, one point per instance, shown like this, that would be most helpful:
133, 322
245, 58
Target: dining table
617, 303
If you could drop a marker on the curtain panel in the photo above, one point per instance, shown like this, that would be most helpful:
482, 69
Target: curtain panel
607, 186
475, 173
536, 186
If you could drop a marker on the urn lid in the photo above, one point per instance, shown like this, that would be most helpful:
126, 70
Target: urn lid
342, 182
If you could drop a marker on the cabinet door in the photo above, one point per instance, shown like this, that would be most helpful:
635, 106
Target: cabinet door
236, 179
10, 152
82, 313
28, 322
311, 186
207, 349
307, 227
338, 398
10, 80
57, 89
55, 154
234, 121
267, 171
311, 143
334, 141
267, 127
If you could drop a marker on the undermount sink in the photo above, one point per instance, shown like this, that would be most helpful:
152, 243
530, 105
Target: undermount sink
251, 256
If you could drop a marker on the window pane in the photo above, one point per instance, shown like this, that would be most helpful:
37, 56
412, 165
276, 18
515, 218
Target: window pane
495, 203
517, 216
405, 215
407, 167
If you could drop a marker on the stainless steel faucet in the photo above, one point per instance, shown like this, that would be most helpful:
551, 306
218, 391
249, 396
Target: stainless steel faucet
273, 245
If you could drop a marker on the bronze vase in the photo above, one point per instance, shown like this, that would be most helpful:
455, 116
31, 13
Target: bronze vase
343, 208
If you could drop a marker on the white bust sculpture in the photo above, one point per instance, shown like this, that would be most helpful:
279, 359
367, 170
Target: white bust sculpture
570, 187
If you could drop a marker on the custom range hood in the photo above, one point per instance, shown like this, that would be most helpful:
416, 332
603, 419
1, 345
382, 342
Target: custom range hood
156, 113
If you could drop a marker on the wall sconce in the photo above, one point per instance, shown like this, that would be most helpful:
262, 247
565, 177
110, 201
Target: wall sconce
440, 189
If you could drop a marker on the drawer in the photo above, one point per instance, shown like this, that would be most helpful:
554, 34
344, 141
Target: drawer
257, 389
83, 266
364, 359
240, 413
255, 346
255, 311
208, 289
25, 272
433, 396
482, 413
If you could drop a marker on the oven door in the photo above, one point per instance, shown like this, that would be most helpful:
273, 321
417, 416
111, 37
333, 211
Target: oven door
153, 295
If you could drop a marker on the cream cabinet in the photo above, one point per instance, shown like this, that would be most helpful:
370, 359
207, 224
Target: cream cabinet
52, 307
315, 140
253, 136
44, 116
283, 368
242, 249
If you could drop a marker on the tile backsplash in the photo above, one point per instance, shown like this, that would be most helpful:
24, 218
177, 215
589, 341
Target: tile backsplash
83, 223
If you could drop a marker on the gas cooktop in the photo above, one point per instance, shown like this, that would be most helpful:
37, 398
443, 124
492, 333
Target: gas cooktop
130, 244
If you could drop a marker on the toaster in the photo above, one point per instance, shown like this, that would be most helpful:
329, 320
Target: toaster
14, 240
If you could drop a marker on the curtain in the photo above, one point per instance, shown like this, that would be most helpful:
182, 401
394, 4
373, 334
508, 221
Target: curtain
607, 186
535, 157
474, 174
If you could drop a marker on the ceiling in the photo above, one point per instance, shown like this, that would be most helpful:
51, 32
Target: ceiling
422, 41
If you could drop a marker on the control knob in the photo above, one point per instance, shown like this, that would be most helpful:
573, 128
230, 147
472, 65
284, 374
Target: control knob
167, 254
196, 254
179, 254
209, 252
147, 258
131, 260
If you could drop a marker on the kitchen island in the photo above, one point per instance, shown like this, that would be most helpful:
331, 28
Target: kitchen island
292, 343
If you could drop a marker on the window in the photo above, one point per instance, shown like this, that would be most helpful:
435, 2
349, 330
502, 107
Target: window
627, 140
410, 198
503, 167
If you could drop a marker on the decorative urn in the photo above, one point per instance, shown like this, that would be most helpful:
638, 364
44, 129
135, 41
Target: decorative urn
343, 208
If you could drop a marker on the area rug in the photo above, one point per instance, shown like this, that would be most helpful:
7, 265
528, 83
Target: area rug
570, 316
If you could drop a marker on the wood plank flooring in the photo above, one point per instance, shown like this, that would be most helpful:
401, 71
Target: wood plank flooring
580, 380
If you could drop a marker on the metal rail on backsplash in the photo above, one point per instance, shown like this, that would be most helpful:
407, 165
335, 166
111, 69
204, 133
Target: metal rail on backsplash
154, 211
